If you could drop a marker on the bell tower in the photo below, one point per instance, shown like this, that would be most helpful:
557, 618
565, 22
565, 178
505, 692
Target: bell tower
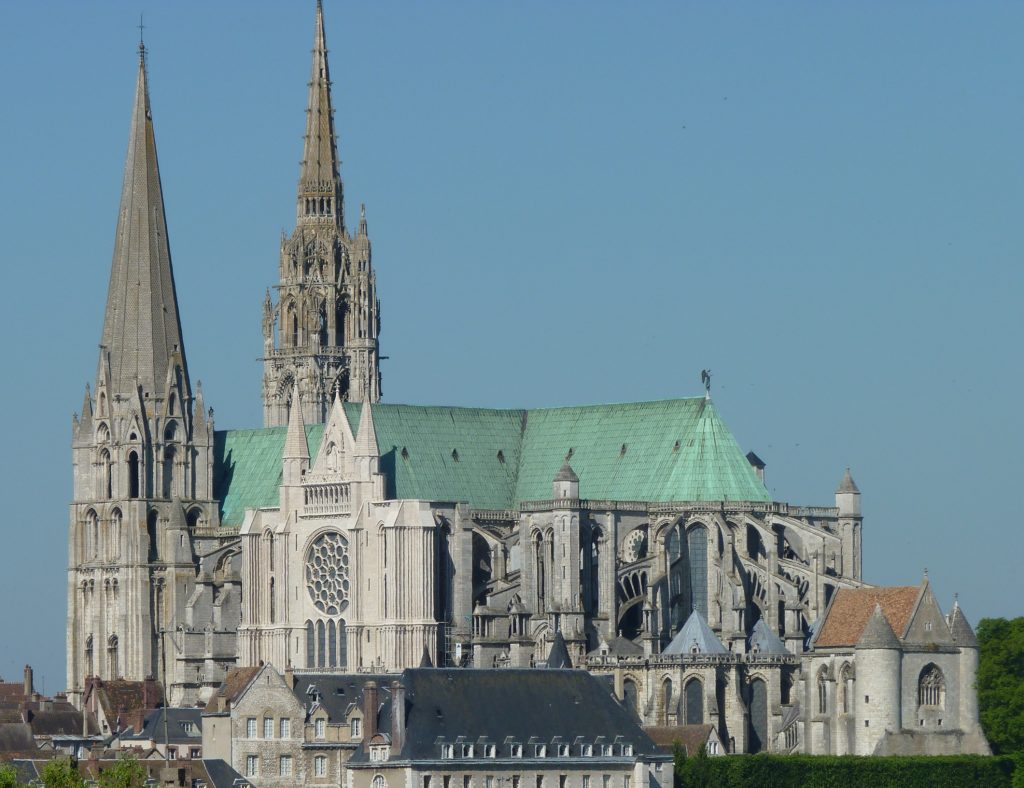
320, 333
142, 451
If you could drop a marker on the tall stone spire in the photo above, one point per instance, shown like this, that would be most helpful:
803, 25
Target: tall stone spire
141, 330
320, 192
322, 329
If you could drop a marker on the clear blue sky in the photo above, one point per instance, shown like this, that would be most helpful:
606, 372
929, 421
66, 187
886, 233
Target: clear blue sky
569, 202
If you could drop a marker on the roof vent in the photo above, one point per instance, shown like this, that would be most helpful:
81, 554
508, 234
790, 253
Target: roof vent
622, 451
501, 456
676, 446
568, 455
405, 453
455, 455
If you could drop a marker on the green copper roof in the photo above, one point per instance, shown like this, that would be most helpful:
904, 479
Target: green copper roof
672, 450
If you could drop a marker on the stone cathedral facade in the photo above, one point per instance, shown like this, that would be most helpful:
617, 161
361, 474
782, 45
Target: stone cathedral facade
636, 540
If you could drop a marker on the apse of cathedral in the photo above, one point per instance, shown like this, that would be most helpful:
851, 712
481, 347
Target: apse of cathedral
636, 540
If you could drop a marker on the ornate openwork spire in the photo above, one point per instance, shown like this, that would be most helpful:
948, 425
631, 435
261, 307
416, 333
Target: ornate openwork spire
141, 330
320, 190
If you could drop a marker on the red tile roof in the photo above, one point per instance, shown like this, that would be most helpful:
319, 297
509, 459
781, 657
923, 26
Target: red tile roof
851, 609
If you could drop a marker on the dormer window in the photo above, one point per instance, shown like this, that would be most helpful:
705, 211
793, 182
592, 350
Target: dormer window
606, 750
447, 751
490, 751
515, 751
586, 750
467, 751
627, 749
563, 750
541, 751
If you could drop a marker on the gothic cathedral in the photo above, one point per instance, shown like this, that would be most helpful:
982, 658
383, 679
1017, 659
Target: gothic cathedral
635, 540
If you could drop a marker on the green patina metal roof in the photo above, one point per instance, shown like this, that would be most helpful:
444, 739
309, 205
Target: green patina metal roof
671, 450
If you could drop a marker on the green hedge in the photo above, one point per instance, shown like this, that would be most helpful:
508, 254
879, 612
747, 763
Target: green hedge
824, 771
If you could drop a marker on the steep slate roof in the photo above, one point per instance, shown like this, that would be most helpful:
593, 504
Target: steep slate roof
695, 632
177, 725
535, 704
766, 640
675, 450
335, 691
852, 607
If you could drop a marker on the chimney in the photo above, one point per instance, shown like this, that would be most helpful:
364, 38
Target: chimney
28, 681
369, 713
149, 697
397, 717
289, 676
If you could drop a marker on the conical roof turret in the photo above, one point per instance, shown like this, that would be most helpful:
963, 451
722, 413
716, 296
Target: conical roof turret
558, 657
566, 473
847, 485
141, 328
960, 629
877, 633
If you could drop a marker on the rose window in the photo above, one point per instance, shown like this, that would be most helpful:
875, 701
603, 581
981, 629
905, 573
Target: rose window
327, 573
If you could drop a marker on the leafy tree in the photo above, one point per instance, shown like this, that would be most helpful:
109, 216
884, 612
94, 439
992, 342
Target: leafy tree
127, 772
1001, 683
61, 774
8, 776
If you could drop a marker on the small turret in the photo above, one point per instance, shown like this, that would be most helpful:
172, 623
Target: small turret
965, 640
879, 682
848, 496
566, 483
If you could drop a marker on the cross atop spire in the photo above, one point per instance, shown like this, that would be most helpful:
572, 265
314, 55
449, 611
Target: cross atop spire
320, 190
141, 329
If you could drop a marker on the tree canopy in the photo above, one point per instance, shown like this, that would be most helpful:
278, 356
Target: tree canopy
1001, 683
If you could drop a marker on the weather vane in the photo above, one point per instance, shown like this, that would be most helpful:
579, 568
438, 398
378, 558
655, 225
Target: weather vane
705, 378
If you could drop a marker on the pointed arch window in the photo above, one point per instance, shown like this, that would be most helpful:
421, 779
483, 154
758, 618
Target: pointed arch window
822, 692
846, 690
133, 474
169, 456
630, 695
931, 687
113, 667
321, 643
595, 569
697, 548
92, 534
106, 479
694, 693
171, 402
310, 645
114, 536
666, 702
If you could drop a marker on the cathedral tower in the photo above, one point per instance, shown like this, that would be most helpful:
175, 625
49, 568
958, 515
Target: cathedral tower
321, 334
142, 450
